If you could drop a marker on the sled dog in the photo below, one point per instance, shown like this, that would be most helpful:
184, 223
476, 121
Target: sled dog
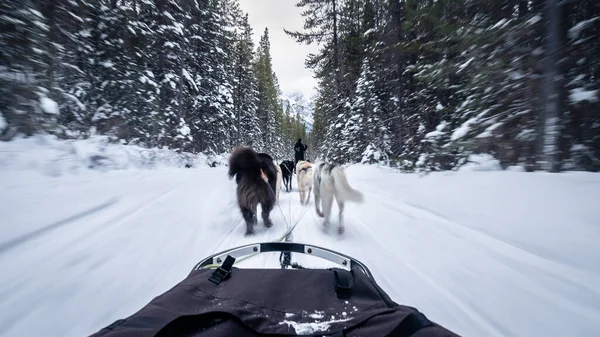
330, 181
287, 170
255, 176
304, 174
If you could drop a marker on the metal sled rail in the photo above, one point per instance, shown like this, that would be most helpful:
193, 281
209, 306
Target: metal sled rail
344, 261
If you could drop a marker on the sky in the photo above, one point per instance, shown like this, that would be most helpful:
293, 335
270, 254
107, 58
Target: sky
288, 56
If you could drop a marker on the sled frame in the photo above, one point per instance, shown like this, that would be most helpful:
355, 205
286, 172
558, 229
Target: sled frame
344, 261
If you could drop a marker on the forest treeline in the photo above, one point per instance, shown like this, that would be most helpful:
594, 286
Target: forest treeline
176, 73
423, 84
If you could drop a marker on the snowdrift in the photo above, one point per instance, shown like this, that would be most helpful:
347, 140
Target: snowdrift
55, 157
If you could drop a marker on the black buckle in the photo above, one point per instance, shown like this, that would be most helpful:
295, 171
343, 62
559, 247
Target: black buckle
285, 259
223, 272
344, 282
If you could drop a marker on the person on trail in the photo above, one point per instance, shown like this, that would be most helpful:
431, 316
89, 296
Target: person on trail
299, 148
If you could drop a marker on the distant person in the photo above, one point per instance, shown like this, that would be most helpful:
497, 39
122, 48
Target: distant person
299, 149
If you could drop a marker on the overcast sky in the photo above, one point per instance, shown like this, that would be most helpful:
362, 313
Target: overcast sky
288, 56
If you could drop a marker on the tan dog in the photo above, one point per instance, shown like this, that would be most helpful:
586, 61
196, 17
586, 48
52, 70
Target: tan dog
305, 180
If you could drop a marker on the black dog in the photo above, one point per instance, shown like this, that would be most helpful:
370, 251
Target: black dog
248, 167
287, 171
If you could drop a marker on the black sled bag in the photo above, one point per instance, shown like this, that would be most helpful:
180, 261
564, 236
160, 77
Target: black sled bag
275, 302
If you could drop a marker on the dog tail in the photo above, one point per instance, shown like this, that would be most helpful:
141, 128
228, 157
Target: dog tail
243, 159
343, 189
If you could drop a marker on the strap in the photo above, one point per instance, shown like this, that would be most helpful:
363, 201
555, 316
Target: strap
285, 259
412, 323
344, 281
223, 272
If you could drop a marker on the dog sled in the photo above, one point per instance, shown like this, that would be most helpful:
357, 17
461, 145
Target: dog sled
218, 299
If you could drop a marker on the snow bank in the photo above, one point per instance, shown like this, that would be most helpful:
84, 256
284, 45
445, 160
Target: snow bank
55, 157
481, 162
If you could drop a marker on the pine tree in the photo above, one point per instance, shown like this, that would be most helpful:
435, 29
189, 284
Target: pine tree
269, 110
24, 102
247, 128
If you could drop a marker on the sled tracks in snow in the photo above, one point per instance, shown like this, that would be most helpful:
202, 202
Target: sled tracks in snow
12, 243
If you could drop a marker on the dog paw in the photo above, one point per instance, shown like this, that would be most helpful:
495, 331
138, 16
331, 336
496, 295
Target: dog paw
341, 230
268, 223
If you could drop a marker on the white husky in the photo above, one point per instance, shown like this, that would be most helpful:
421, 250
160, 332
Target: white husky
330, 181
304, 173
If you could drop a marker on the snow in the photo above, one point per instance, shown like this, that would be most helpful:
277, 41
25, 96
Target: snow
76, 100
481, 162
184, 129
49, 106
580, 94
576, 30
438, 130
41, 25
370, 31
189, 78
500, 24
534, 20
303, 329
462, 130
50, 156
484, 252
489, 130
464, 65
145, 79
317, 315
301, 105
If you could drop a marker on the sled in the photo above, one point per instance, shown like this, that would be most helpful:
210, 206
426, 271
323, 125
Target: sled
219, 299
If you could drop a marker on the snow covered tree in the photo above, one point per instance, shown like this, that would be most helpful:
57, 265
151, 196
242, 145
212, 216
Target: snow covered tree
580, 142
247, 128
269, 109
446, 79
24, 55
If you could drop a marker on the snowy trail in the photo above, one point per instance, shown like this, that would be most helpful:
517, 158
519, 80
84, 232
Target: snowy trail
483, 253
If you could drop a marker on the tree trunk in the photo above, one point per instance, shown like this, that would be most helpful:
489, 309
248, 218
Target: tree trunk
551, 133
336, 54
